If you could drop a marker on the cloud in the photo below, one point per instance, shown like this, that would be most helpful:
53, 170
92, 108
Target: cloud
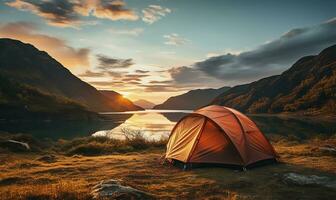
56, 12
181, 79
153, 13
106, 83
272, 57
112, 78
141, 71
188, 75
102, 73
129, 32
68, 13
175, 40
89, 73
162, 82
160, 88
218, 53
107, 9
56, 47
134, 77
107, 63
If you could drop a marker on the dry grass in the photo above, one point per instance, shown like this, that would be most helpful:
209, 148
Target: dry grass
42, 191
72, 177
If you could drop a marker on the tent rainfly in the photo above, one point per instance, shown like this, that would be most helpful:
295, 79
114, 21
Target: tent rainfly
218, 135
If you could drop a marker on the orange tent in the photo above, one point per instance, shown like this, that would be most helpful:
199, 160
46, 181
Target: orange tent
218, 135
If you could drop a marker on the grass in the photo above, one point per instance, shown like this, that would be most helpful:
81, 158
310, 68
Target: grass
71, 176
135, 141
90, 146
61, 190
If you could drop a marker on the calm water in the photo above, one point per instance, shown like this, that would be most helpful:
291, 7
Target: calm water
155, 124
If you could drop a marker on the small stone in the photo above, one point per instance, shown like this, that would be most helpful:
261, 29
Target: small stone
16, 146
328, 149
47, 158
302, 180
112, 189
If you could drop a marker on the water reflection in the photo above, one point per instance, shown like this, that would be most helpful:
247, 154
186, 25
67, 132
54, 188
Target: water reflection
156, 124
153, 124
62, 129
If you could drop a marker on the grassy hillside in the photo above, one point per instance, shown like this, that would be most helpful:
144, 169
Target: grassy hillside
308, 87
19, 101
30, 66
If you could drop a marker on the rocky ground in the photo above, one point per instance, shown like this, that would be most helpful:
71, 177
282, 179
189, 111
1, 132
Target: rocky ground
307, 170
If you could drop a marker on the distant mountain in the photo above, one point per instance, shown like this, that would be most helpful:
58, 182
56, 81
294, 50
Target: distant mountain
191, 100
28, 66
144, 104
308, 87
121, 101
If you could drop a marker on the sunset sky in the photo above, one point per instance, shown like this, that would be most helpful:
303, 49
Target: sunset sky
153, 49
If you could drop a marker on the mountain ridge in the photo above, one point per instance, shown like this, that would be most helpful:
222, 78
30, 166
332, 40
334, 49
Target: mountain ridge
144, 103
308, 87
39, 70
192, 99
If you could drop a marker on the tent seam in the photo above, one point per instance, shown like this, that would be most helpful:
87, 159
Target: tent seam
225, 134
242, 129
197, 140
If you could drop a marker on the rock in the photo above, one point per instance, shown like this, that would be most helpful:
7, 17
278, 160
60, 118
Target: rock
76, 156
328, 149
47, 158
299, 179
112, 189
15, 146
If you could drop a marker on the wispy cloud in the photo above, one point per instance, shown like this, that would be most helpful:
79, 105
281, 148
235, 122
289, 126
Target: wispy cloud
58, 48
153, 13
65, 13
141, 71
130, 32
175, 40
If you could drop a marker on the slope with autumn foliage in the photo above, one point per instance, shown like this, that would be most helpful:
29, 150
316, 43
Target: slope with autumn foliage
308, 87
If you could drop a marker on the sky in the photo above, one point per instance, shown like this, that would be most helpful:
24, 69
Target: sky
154, 49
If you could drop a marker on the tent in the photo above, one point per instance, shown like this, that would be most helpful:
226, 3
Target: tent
218, 135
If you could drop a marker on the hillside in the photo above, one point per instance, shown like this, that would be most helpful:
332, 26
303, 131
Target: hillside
308, 87
23, 102
144, 103
191, 100
123, 103
27, 65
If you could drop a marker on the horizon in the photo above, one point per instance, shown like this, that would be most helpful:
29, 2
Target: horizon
153, 50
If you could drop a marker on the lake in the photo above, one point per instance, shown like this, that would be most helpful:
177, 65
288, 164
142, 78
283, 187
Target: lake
156, 124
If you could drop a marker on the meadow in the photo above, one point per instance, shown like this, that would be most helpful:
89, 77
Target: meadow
69, 169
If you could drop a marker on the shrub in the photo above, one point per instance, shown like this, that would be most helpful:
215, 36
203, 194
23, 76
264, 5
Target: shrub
134, 141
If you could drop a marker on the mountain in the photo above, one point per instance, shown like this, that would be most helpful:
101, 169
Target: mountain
19, 101
308, 87
34, 68
191, 100
115, 96
144, 104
